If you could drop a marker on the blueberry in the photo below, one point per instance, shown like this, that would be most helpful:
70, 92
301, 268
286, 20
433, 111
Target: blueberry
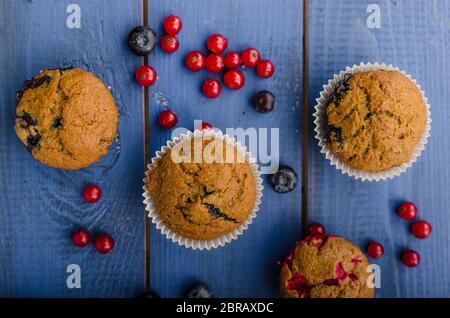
264, 101
200, 291
150, 294
142, 40
284, 180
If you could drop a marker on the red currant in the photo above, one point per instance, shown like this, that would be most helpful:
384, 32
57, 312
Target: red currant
172, 24
410, 258
169, 43
375, 249
316, 229
204, 126
250, 57
80, 238
265, 69
195, 61
214, 63
421, 229
217, 43
167, 119
211, 88
104, 243
232, 60
234, 79
92, 193
407, 210
146, 75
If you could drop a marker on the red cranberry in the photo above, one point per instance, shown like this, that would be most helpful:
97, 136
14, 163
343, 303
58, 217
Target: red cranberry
232, 60
410, 258
92, 193
265, 69
204, 126
250, 57
407, 210
421, 229
375, 249
80, 238
146, 75
104, 243
316, 229
214, 63
172, 24
217, 43
234, 79
195, 61
211, 88
167, 119
169, 43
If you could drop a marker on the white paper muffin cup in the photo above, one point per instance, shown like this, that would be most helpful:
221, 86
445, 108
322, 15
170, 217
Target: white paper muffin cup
228, 237
320, 126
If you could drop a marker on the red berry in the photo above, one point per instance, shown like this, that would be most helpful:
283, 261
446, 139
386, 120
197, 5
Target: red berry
265, 69
410, 258
92, 193
375, 249
146, 75
204, 126
214, 63
316, 229
234, 79
421, 229
407, 210
211, 88
195, 61
217, 43
232, 60
250, 57
167, 119
172, 24
104, 243
169, 43
80, 238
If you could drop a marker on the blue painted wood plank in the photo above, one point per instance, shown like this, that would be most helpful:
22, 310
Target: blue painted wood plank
246, 267
39, 206
414, 35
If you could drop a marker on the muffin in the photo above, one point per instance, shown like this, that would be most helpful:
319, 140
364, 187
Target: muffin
325, 266
375, 119
202, 188
66, 118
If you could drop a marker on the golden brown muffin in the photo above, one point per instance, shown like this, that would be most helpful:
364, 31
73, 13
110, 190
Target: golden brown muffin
202, 199
325, 266
66, 118
375, 119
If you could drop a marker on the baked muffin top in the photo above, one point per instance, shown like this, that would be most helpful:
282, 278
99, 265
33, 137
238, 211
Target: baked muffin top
66, 118
375, 119
325, 266
202, 199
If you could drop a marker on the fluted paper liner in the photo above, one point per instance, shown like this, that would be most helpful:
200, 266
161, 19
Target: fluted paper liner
320, 126
226, 238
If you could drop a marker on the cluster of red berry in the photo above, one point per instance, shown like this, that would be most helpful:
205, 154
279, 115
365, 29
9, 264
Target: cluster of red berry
104, 243
215, 63
407, 211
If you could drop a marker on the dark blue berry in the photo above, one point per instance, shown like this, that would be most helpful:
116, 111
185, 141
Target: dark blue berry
142, 40
284, 180
200, 291
264, 101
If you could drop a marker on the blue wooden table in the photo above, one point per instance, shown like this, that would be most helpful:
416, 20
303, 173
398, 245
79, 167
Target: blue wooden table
39, 206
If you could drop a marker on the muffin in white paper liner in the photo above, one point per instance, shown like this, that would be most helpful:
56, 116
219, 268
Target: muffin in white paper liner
321, 132
226, 238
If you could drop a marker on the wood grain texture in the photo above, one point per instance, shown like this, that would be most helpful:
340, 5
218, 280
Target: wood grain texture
415, 35
246, 267
39, 206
